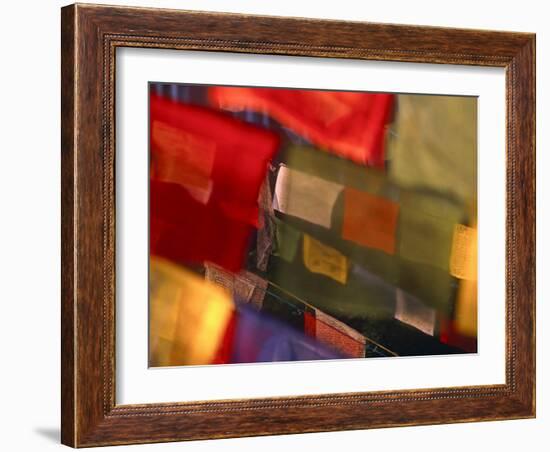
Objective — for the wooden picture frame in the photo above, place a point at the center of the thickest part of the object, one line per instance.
(90, 36)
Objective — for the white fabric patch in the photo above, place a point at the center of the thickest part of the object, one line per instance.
(413, 312)
(305, 196)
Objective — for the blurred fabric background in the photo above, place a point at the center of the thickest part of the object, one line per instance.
(292, 224)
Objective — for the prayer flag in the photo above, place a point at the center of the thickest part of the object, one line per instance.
(206, 173)
(319, 258)
(305, 196)
(188, 316)
(369, 220)
(350, 124)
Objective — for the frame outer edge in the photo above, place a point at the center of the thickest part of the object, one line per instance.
(525, 200)
(534, 226)
(68, 243)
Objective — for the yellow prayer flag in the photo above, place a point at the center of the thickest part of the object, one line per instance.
(188, 316)
(463, 265)
(319, 258)
(466, 308)
(463, 260)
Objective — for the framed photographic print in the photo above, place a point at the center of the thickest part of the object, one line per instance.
(282, 225)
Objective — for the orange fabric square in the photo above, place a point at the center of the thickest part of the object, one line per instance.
(369, 220)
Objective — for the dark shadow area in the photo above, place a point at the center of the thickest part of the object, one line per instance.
(50, 433)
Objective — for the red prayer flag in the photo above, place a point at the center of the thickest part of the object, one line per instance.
(206, 173)
(349, 124)
(309, 323)
(187, 231)
(448, 334)
(339, 336)
(225, 349)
